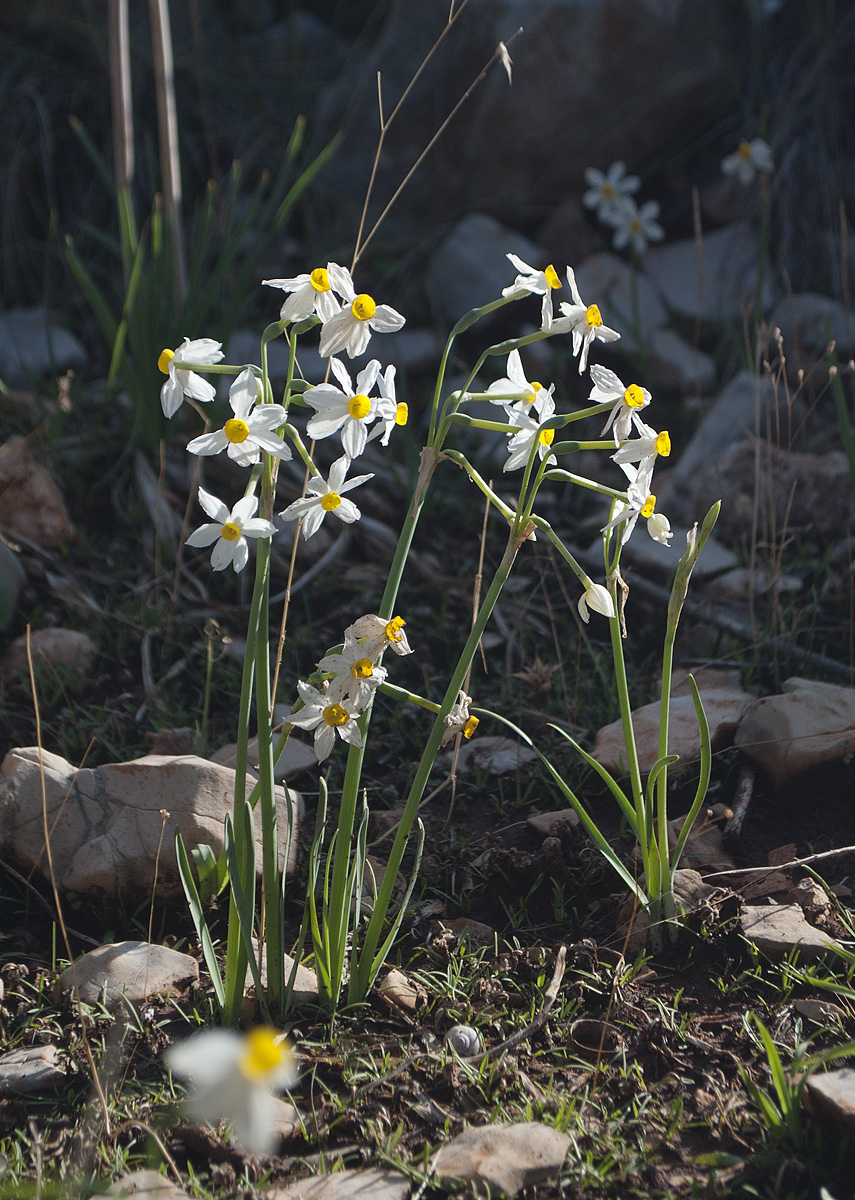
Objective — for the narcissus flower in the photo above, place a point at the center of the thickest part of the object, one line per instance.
(390, 410)
(182, 382)
(606, 191)
(627, 401)
(640, 503)
(749, 159)
(343, 409)
(636, 226)
(520, 444)
(459, 720)
(309, 294)
(540, 283)
(229, 530)
(351, 328)
(515, 381)
(249, 431)
(644, 449)
(327, 716)
(234, 1076)
(585, 323)
(355, 676)
(327, 495)
(597, 597)
(376, 634)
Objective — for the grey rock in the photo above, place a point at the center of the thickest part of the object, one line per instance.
(56, 647)
(32, 345)
(778, 929)
(672, 362)
(374, 1183)
(809, 725)
(552, 824)
(741, 582)
(729, 273)
(296, 756)
(305, 983)
(136, 971)
(494, 754)
(12, 578)
(107, 827)
(723, 707)
(146, 1185)
(505, 1158)
(652, 557)
(832, 1095)
(32, 1069)
(469, 267)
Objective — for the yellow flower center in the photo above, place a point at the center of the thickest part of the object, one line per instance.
(402, 414)
(166, 357)
(330, 502)
(649, 505)
(230, 532)
(547, 437)
(363, 307)
(552, 277)
(236, 430)
(663, 444)
(535, 388)
(362, 668)
(592, 315)
(335, 715)
(634, 396)
(359, 407)
(264, 1052)
(393, 629)
(320, 279)
(607, 189)
(470, 727)
(744, 151)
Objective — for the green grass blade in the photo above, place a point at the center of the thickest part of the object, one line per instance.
(198, 916)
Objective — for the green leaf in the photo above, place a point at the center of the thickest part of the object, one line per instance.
(195, 906)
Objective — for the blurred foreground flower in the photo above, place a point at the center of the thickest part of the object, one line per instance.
(233, 1076)
(229, 530)
(183, 383)
(748, 160)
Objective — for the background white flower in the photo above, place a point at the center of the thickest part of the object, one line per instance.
(748, 159)
(229, 530)
(607, 190)
(182, 382)
(249, 431)
(637, 226)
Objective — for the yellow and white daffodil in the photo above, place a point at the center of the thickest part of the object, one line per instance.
(327, 716)
(597, 597)
(515, 382)
(636, 226)
(343, 408)
(627, 402)
(607, 190)
(309, 294)
(350, 329)
(749, 159)
(376, 634)
(229, 530)
(355, 676)
(234, 1076)
(528, 423)
(584, 321)
(250, 430)
(538, 282)
(326, 495)
(644, 449)
(640, 503)
(183, 382)
(390, 410)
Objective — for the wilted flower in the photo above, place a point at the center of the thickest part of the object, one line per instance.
(377, 634)
(459, 720)
(636, 226)
(585, 323)
(540, 283)
(327, 716)
(628, 401)
(182, 382)
(607, 191)
(748, 159)
(234, 1076)
(309, 294)
(597, 597)
(344, 409)
(326, 496)
(351, 328)
(249, 431)
(229, 530)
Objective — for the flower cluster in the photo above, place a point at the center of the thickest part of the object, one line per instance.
(611, 195)
(351, 676)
